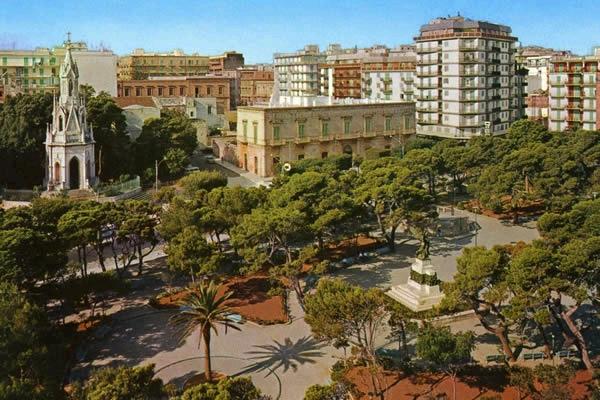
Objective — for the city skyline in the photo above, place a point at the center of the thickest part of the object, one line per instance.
(261, 29)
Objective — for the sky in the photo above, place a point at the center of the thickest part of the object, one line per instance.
(260, 28)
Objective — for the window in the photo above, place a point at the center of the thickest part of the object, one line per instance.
(4, 60)
(324, 154)
(182, 91)
(127, 92)
(138, 91)
(388, 123)
(347, 123)
(171, 91)
(245, 128)
(149, 91)
(300, 156)
(255, 131)
(210, 110)
(208, 90)
(324, 128)
(160, 91)
(276, 132)
(220, 89)
(25, 60)
(301, 130)
(368, 123)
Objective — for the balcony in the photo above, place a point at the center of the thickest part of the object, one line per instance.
(350, 135)
(496, 85)
(428, 61)
(575, 82)
(427, 85)
(426, 121)
(429, 49)
(302, 140)
(574, 106)
(574, 94)
(495, 61)
(427, 98)
(427, 109)
(369, 134)
(427, 73)
(495, 48)
(469, 60)
(468, 47)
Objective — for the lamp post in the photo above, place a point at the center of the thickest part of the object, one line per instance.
(156, 165)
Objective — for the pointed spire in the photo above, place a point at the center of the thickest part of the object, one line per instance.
(68, 64)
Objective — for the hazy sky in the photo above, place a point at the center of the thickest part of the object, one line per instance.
(260, 28)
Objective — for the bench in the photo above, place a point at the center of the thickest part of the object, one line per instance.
(528, 356)
(495, 358)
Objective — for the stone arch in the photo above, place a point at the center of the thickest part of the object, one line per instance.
(56, 173)
(74, 173)
(347, 149)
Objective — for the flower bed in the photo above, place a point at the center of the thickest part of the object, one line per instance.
(250, 299)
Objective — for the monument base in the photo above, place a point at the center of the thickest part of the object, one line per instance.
(418, 296)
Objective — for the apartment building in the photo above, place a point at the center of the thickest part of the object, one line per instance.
(390, 76)
(268, 136)
(37, 71)
(574, 96)
(297, 73)
(228, 61)
(256, 85)
(141, 65)
(340, 74)
(466, 79)
(219, 87)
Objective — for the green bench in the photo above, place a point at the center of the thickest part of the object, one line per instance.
(495, 358)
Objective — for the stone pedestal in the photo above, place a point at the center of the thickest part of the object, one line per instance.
(418, 296)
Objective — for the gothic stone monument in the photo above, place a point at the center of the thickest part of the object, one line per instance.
(422, 291)
(69, 138)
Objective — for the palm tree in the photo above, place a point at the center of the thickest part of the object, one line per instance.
(203, 308)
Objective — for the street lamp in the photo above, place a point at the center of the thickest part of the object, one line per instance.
(156, 164)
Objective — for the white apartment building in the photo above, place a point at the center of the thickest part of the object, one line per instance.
(537, 73)
(297, 74)
(574, 95)
(466, 80)
(390, 77)
(33, 71)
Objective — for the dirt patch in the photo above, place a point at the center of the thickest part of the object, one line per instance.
(199, 379)
(345, 248)
(89, 324)
(250, 299)
(471, 386)
(530, 208)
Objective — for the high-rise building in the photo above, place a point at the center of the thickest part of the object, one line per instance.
(37, 71)
(390, 76)
(574, 96)
(466, 79)
(142, 65)
(297, 74)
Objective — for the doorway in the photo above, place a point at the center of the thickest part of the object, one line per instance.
(74, 173)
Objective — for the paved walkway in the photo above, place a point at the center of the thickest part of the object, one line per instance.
(283, 360)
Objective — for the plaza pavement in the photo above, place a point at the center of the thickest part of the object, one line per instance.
(283, 360)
